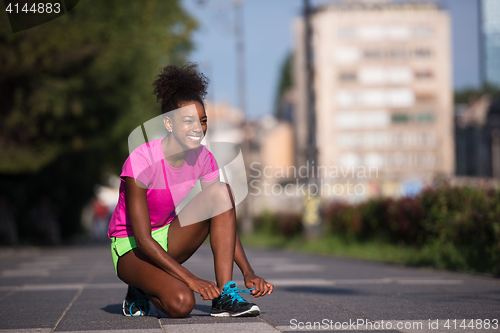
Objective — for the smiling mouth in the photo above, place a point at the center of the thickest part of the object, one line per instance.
(194, 138)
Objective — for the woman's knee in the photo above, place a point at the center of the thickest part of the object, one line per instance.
(221, 192)
(180, 305)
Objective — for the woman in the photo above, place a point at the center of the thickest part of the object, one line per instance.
(150, 242)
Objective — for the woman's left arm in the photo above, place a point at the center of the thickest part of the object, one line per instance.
(261, 286)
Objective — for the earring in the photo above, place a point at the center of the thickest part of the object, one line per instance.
(170, 131)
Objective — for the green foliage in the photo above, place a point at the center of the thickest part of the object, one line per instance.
(444, 227)
(469, 95)
(83, 81)
(72, 91)
(285, 84)
(285, 224)
(454, 227)
(469, 219)
(385, 219)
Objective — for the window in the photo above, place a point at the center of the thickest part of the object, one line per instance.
(397, 54)
(402, 159)
(346, 33)
(407, 139)
(373, 54)
(373, 140)
(402, 139)
(349, 159)
(399, 118)
(399, 32)
(398, 140)
(347, 77)
(423, 31)
(369, 140)
(422, 53)
(424, 74)
(380, 75)
(425, 97)
(422, 159)
(425, 139)
(400, 75)
(382, 139)
(347, 55)
(401, 97)
(372, 119)
(377, 32)
(426, 159)
(346, 98)
(374, 159)
(425, 117)
(349, 140)
(372, 75)
(348, 120)
(373, 97)
(388, 159)
(374, 32)
(368, 119)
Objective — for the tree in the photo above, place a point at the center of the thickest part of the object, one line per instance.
(285, 84)
(469, 95)
(72, 91)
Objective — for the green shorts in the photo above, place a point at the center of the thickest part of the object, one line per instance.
(121, 246)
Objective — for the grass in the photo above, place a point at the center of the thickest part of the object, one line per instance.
(440, 256)
(333, 245)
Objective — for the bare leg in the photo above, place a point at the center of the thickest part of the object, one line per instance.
(136, 269)
(167, 293)
(184, 241)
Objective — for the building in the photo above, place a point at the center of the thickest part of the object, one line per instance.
(271, 167)
(478, 138)
(490, 29)
(383, 90)
(225, 122)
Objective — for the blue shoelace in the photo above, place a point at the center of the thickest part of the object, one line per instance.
(234, 293)
(140, 303)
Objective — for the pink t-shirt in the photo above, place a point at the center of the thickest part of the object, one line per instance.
(166, 186)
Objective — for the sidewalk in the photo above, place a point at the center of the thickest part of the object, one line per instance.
(75, 289)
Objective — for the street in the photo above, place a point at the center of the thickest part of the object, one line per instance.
(75, 289)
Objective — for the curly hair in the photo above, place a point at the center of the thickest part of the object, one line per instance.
(175, 85)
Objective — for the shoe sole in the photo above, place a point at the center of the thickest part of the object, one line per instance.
(128, 314)
(125, 313)
(252, 312)
(123, 309)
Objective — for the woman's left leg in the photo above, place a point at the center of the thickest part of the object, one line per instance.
(186, 234)
(191, 227)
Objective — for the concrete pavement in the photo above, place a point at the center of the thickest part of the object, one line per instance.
(75, 289)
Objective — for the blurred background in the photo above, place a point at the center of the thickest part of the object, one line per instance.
(371, 122)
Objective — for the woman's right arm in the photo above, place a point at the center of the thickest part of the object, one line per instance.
(137, 209)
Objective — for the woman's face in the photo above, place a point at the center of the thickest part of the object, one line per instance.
(188, 125)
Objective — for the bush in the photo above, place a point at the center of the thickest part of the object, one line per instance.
(284, 224)
(451, 227)
(454, 227)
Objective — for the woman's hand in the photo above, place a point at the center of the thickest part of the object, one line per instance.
(261, 286)
(207, 290)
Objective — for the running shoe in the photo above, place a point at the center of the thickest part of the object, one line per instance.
(231, 304)
(136, 303)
